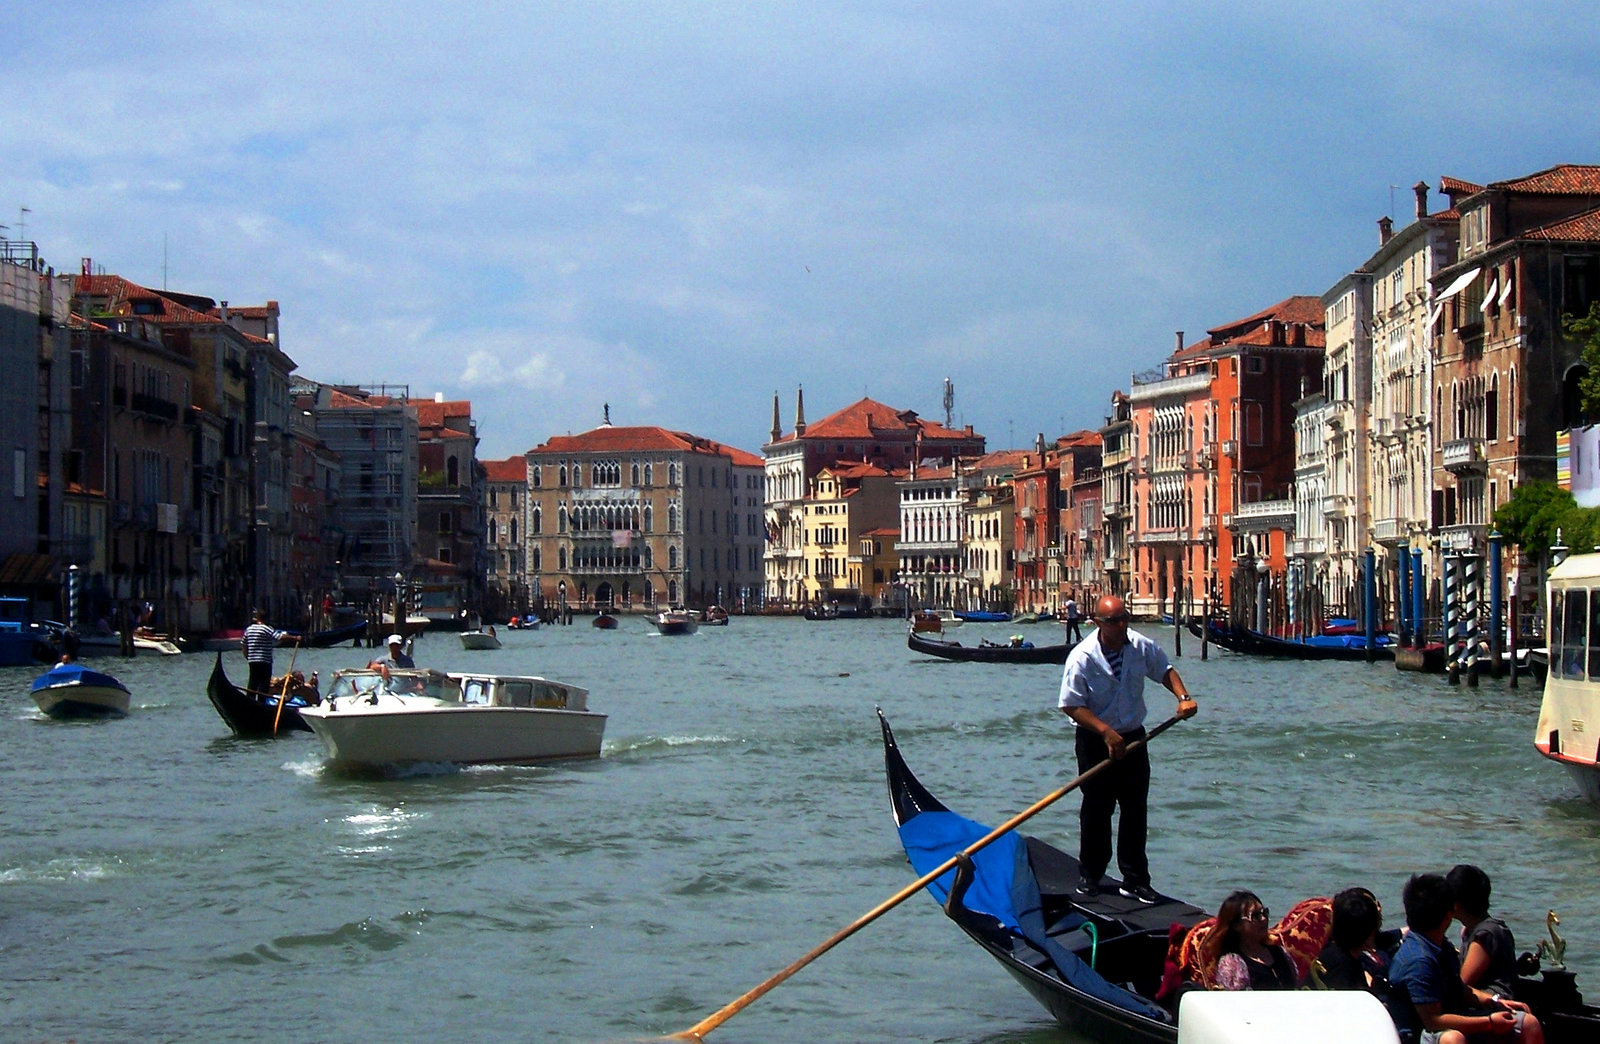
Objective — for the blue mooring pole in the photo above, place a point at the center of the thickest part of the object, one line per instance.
(1402, 595)
(1419, 599)
(1496, 587)
(1370, 564)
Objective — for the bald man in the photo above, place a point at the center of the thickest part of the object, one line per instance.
(1102, 691)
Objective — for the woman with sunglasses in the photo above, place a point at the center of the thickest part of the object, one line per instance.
(1241, 953)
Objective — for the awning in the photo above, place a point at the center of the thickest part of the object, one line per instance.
(1488, 297)
(1505, 293)
(1459, 285)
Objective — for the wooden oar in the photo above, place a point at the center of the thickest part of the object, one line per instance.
(283, 697)
(699, 1030)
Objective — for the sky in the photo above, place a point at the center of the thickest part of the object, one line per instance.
(681, 209)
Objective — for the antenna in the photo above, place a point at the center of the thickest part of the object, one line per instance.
(22, 224)
(949, 400)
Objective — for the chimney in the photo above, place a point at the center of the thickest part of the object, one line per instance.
(437, 396)
(222, 308)
(777, 429)
(1298, 335)
(799, 412)
(1180, 343)
(1421, 189)
(1385, 230)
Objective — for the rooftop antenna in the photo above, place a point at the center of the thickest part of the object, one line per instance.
(22, 224)
(949, 400)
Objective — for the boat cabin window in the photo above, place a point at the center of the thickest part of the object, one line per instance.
(475, 691)
(1594, 637)
(518, 693)
(1574, 621)
(551, 697)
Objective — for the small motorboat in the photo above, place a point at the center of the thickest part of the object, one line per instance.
(715, 616)
(374, 718)
(677, 621)
(604, 621)
(484, 639)
(523, 623)
(932, 621)
(71, 690)
(983, 616)
(254, 713)
(145, 640)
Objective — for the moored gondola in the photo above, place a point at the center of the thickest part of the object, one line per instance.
(1317, 647)
(1025, 653)
(349, 632)
(252, 714)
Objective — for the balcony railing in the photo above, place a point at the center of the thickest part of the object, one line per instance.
(1463, 455)
(1109, 563)
(1389, 530)
(1334, 504)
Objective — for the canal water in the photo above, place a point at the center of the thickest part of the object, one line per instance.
(162, 881)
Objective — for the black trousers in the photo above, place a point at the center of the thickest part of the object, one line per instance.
(1074, 635)
(260, 676)
(1124, 787)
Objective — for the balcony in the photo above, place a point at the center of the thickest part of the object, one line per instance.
(1109, 563)
(1024, 557)
(1230, 448)
(1112, 458)
(1464, 455)
(1115, 510)
(1389, 530)
(1305, 547)
(973, 575)
(1165, 536)
(1335, 504)
(1169, 387)
(1263, 515)
(1462, 538)
(1025, 513)
(1208, 457)
(154, 406)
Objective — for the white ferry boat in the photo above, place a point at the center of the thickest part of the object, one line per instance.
(1569, 717)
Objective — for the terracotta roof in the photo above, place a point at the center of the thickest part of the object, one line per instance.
(1079, 438)
(1566, 179)
(125, 298)
(1001, 459)
(1199, 347)
(868, 418)
(1580, 228)
(431, 414)
(853, 469)
(1456, 187)
(1299, 309)
(512, 469)
(1260, 337)
(644, 439)
(880, 532)
(341, 400)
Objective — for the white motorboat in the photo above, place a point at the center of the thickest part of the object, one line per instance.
(1571, 687)
(677, 621)
(70, 690)
(480, 639)
(373, 718)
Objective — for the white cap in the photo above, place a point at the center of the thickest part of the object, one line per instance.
(395, 639)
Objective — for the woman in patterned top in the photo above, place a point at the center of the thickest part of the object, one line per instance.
(1240, 952)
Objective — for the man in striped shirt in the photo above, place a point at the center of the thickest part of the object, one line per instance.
(259, 641)
(1102, 691)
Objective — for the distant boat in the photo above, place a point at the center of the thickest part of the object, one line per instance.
(1025, 652)
(982, 616)
(929, 621)
(1316, 647)
(71, 690)
(716, 616)
(677, 621)
(604, 621)
(480, 640)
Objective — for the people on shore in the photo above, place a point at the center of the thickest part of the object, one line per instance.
(1428, 1000)
(259, 641)
(1102, 691)
(1240, 952)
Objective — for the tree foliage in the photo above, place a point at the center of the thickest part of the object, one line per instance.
(1537, 511)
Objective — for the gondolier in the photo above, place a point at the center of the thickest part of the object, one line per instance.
(1102, 691)
(259, 640)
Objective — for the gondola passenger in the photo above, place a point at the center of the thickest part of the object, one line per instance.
(1241, 953)
(1488, 951)
(1353, 958)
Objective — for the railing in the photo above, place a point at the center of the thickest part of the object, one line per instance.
(1386, 530)
(1109, 563)
(155, 406)
(1463, 455)
(1334, 503)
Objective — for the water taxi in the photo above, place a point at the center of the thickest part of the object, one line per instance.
(1572, 683)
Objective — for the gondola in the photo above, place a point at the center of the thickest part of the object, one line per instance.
(336, 635)
(1022, 909)
(1095, 962)
(250, 714)
(1316, 647)
(987, 653)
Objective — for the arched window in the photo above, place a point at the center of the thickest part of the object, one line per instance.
(649, 472)
(649, 557)
(563, 475)
(672, 591)
(635, 473)
(538, 476)
(561, 559)
(537, 558)
(561, 520)
(494, 532)
(672, 518)
(1491, 409)
(672, 558)
(649, 519)
(451, 472)
(538, 519)
(513, 530)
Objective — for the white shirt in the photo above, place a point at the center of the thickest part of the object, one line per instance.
(1088, 682)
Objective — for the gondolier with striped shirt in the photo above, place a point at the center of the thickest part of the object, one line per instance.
(1102, 691)
(260, 639)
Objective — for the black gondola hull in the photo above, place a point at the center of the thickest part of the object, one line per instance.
(1254, 643)
(337, 635)
(1056, 654)
(249, 714)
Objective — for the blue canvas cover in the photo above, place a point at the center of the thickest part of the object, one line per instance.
(1005, 888)
(75, 674)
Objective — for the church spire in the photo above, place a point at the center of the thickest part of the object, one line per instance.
(777, 428)
(799, 412)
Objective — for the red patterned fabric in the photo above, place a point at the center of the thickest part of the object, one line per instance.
(1190, 962)
(1304, 931)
